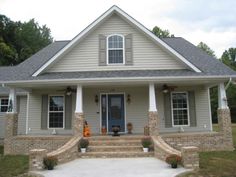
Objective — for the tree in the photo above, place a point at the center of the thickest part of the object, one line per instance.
(229, 58)
(18, 41)
(161, 33)
(206, 48)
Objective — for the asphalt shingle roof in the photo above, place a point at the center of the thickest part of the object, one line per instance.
(207, 64)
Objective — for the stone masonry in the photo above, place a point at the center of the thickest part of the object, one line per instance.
(78, 124)
(11, 123)
(36, 157)
(190, 157)
(153, 123)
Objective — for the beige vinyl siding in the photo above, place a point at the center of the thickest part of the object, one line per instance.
(22, 115)
(2, 125)
(202, 110)
(35, 106)
(146, 54)
(136, 111)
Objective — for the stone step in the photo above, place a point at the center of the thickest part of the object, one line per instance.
(114, 148)
(109, 137)
(123, 154)
(120, 142)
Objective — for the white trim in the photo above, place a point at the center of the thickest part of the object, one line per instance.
(209, 105)
(107, 49)
(152, 98)
(182, 109)
(79, 99)
(112, 93)
(96, 22)
(119, 79)
(56, 111)
(27, 115)
(4, 97)
(222, 98)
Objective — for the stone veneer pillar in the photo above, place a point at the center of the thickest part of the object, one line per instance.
(78, 124)
(36, 157)
(11, 123)
(190, 157)
(224, 121)
(153, 122)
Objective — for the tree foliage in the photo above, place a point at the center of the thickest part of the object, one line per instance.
(206, 48)
(161, 33)
(18, 40)
(229, 58)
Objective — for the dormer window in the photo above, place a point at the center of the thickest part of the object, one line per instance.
(115, 49)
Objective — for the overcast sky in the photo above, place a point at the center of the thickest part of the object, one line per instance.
(210, 21)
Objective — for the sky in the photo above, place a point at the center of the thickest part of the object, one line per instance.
(210, 21)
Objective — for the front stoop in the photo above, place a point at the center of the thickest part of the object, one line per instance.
(115, 147)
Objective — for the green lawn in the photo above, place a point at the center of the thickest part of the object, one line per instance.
(217, 164)
(12, 165)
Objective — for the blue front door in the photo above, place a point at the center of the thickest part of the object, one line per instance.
(113, 111)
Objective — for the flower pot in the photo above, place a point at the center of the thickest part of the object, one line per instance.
(145, 149)
(83, 150)
(50, 167)
(174, 165)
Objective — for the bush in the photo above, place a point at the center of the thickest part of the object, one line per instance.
(173, 159)
(146, 142)
(50, 162)
(83, 143)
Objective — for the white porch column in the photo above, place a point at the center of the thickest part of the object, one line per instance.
(152, 98)
(79, 100)
(222, 99)
(12, 103)
(153, 120)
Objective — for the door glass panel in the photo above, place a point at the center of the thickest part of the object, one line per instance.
(115, 108)
(104, 110)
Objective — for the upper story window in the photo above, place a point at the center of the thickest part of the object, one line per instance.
(56, 112)
(180, 108)
(115, 49)
(3, 104)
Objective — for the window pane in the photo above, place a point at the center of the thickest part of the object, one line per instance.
(180, 108)
(4, 108)
(56, 120)
(115, 42)
(56, 103)
(4, 101)
(115, 56)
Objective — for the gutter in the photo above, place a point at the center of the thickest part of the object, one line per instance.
(229, 82)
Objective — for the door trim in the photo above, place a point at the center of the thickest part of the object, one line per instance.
(112, 93)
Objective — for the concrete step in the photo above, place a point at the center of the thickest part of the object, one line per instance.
(118, 142)
(123, 154)
(114, 148)
(110, 137)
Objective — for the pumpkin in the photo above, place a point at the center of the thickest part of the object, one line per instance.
(87, 131)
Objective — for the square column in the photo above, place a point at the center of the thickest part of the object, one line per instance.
(153, 119)
(79, 115)
(12, 103)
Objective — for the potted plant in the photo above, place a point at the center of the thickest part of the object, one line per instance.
(146, 143)
(116, 130)
(173, 160)
(129, 127)
(83, 144)
(50, 162)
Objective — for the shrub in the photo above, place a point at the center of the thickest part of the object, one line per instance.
(83, 143)
(50, 162)
(146, 142)
(173, 159)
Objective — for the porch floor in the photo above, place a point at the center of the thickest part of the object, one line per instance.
(128, 167)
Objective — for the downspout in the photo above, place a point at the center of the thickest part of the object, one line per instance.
(229, 82)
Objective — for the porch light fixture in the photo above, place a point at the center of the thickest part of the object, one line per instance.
(128, 99)
(165, 88)
(68, 91)
(96, 99)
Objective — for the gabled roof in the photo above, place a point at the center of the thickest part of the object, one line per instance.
(210, 67)
(108, 13)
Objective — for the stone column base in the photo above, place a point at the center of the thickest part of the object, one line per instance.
(153, 123)
(78, 124)
(190, 157)
(36, 157)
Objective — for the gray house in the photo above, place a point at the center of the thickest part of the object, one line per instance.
(113, 72)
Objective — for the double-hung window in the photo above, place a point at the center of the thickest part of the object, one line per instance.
(115, 49)
(3, 104)
(56, 112)
(180, 108)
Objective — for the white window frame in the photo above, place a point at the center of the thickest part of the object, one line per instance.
(123, 38)
(3, 105)
(172, 109)
(56, 111)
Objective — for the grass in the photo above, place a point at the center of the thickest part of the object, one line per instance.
(217, 164)
(13, 165)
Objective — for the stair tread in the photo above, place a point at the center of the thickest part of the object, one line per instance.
(120, 152)
(112, 146)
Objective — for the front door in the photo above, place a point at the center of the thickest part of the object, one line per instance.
(113, 111)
